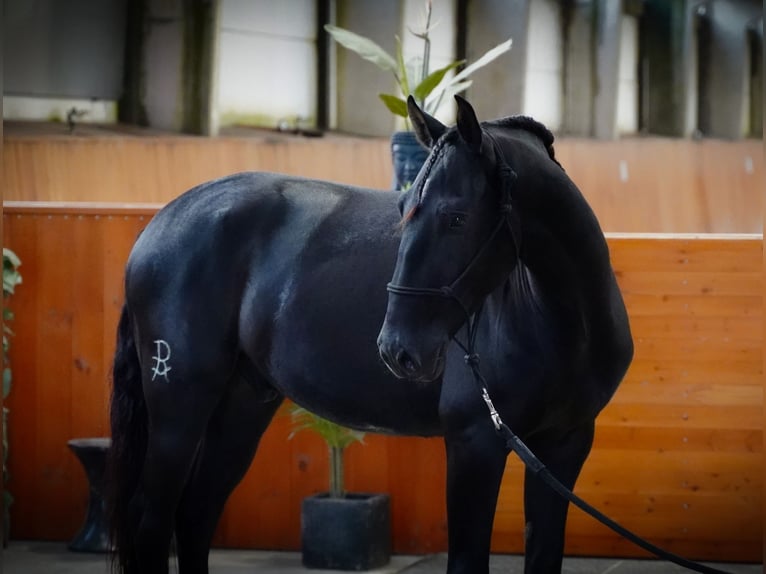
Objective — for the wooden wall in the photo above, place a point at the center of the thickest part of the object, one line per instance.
(678, 453)
(634, 185)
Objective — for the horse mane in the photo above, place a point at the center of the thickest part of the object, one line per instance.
(532, 126)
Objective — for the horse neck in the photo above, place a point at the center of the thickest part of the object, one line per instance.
(559, 237)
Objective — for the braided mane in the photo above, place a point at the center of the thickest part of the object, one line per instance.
(532, 126)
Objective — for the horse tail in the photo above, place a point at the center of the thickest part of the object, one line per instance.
(129, 426)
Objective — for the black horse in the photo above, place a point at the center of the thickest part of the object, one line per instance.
(256, 287)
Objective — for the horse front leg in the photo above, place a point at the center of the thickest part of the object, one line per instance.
(475, 465)
(545, 511)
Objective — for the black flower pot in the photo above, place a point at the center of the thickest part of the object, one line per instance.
(408, 157)
(350, 533)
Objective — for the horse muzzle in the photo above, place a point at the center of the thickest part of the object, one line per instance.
(406, 362)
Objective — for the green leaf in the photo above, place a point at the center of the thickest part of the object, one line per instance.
(10, 280)
(335, 435)
(362, 46)
(11, 258)
(424, 88)
(488, 57)
(396, 105)
(11, 276)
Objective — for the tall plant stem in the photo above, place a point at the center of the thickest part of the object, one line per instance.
(337, 486)
(426, 44)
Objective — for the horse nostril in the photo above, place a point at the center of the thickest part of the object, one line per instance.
(406, 362)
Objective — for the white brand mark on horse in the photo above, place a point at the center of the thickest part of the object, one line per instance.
(163, 356)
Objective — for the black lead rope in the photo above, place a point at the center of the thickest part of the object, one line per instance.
(515, 444)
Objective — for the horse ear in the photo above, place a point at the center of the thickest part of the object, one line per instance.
(467, 124)
(427, 128)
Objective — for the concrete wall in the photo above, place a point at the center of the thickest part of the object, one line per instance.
(696, 54)
(608, 44)
(543, 88)
(728, 68)
(358, 108)
(443, 42)
(579, 70)
(627, 74)
(177, 73)
(498, 90)
(162, 64)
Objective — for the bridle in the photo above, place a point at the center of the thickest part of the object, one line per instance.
(456, 290)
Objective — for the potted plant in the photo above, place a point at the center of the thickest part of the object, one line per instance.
(11, 278)
(341, 530)
(429, 87)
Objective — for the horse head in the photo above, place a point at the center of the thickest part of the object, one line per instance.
(457, 242)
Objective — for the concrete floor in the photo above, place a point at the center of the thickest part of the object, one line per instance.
(54, 558)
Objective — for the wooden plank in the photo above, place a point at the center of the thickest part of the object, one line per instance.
(721, 396)
(749, 328)
(80, 208)
(700, 370)
(726, 473)
(157, 170)
(675, 439)
(686, 255)
(88, 373)
(55, 510)
(671, 185)
(684, 416)
(693, 305)
(690, 283)
(734, 351)
(419, 510)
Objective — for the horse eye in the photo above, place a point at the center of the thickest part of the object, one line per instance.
(456, 220)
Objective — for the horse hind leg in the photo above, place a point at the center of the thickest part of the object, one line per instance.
(181, 397)
(229, 446)
(546, 511)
